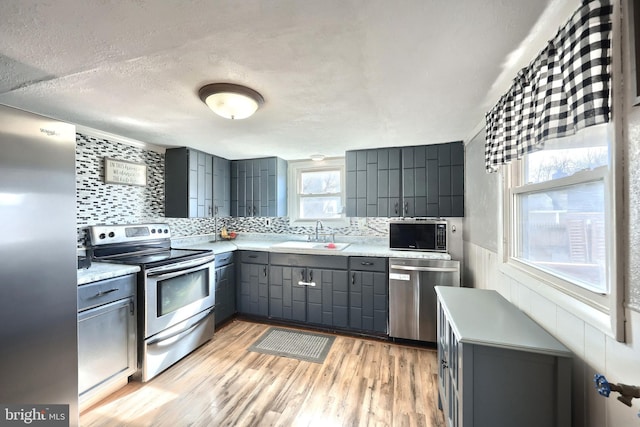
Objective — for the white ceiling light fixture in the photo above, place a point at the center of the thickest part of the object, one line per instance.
(317, 157)
(231, 101)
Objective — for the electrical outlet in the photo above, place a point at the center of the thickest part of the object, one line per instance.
(267, 222)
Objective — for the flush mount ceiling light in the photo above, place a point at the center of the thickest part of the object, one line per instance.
(231, 101)
(317, 157)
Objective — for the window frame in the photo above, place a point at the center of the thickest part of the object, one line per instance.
(604, 311)
(296, 168)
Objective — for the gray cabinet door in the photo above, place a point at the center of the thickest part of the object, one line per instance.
(327, 300)
(368, 301)
(221, 186)
(188, 183)
(259, 187)
(287, 299)
(225, 285)
(106, 344)
(253, 292)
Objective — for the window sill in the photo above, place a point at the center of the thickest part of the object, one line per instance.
(589, 313)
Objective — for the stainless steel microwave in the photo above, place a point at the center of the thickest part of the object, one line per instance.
(418, 235)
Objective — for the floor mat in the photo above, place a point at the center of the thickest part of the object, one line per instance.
(301, 345)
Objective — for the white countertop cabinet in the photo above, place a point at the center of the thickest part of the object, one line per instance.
(497, 367)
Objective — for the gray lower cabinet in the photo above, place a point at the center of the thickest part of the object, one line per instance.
(309, 288)
(225, 283)
(106, 337)
(253, 284)
(368, 294)
(497, 367)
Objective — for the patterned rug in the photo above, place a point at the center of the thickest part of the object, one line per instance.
(307, 346)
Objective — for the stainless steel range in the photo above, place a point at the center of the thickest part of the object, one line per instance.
(176, 291)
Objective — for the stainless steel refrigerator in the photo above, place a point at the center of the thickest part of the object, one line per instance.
(38, 290)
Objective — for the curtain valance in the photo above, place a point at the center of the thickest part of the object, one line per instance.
(564, 89)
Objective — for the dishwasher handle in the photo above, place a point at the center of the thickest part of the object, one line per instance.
(415, 268)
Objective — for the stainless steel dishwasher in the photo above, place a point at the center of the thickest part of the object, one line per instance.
(412, 298)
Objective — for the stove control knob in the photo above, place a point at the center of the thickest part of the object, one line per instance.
(153, 231)
(112, 234)
(166, 231)
(102, 235)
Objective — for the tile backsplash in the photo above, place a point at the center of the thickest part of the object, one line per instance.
(101, 203)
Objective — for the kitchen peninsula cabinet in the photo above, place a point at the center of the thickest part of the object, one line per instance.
(368, 294)
(191, 180)
(253, 284)
(414, 181)
(309, 288)
(225, 283)
(259, 187)
(497, 367)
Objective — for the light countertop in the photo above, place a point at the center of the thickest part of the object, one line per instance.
(103, 270)
(497, 324)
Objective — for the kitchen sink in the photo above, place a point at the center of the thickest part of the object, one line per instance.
(314, 246)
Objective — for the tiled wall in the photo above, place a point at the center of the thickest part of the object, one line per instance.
(100, 203)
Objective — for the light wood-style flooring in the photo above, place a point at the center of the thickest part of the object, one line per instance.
(363, 382)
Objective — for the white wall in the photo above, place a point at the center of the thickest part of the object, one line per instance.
(594, 350)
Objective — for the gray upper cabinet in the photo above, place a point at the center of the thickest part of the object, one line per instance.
(259, 187)
(192, 183)
(221, 186)
(424, 180)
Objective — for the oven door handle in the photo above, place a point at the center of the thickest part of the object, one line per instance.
(180, 268)
(179, 334)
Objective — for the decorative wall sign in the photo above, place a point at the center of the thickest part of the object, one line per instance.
(123, 172)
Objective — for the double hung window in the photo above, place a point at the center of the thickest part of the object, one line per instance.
(559, 210)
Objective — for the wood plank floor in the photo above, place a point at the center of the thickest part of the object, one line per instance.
(362, 382)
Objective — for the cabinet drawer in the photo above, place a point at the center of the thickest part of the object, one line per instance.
(254, 257)
(223, 259)
(363, 263)
(104, 291)
(312, 261)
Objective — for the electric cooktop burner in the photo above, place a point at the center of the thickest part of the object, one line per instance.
(147, 245)
(158, 258)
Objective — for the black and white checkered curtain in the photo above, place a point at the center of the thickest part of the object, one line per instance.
(566, 88)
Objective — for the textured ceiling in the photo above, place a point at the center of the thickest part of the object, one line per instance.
(335, 74)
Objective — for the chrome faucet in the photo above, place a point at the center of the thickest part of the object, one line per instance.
(318, 226)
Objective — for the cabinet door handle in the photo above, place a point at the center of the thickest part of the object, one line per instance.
(366, 263)
(302, 278)
(396, 208)
(445, 365)
(406, 207)
(102, 293)
(248, 210)
(132, 307)
(264, 270)
(353, 278)
(311, 275)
